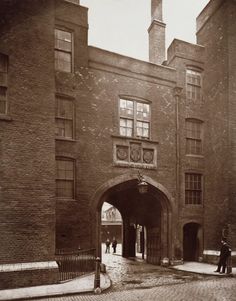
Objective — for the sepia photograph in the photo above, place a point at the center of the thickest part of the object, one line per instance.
(118, 150)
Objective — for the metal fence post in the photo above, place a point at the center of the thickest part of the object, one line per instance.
(97, 273)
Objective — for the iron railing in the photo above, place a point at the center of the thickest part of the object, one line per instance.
(74, 263)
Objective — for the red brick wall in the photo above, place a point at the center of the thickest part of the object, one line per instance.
(96, 92)
(219, 78)
(27, 226)
(10, 280)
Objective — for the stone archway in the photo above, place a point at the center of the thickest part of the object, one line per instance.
(121, 192)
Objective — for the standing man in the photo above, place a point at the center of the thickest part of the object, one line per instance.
(224, 254)
(108, 245)
(114, 244)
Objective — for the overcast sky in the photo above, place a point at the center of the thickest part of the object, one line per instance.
(121, 25)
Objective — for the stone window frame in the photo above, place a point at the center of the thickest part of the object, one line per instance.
(58, 117)
(133, 118)
(3, 84)
(194, 137)
(193, 184)
(193, 83)
(64, 180)
(61, 50)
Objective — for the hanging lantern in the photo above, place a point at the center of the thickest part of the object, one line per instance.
(142, 185)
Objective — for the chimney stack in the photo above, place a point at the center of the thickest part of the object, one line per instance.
(157, 34)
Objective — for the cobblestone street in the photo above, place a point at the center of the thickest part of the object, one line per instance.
(135, 280)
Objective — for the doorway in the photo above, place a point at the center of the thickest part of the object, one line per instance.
(191, 242)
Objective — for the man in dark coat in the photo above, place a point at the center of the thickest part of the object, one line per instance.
(224, 254)
(108, 245)
(114, 244)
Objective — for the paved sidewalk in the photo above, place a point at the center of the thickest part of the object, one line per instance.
(202, 268)
(85, 283)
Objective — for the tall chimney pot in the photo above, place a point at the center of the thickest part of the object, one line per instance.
(156, 32)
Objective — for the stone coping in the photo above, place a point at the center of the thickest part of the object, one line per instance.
(216, 253)
(16, 267)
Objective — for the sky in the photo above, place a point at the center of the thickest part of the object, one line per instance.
(121, 25)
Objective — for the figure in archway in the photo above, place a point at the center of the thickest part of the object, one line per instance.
(108, 245)
(114, 244)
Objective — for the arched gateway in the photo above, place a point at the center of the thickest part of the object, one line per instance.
(152, 210)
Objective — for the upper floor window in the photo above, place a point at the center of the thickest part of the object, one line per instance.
(3, 83)
(193, 188)
(193, 136)
(134, 119)
(3, 100)
(65, 178)
(194, 82)
(63, 50)
(64, 118)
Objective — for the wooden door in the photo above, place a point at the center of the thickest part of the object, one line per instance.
(153, 245)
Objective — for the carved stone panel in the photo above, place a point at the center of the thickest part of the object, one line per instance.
(122, 152)
(148, 156)
(135, 152)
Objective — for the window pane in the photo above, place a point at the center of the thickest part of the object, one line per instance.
(3, 63)
(142, 129)
(193, 189)
(60, 128)
(3, 106)
(145, 133)
(139, 132)
(193, 137)
(123, 131)
(126, 108)
(63, 35)
(3, 100)
(62, 61)
(65, 108)
(140, 117)
(122, 122)
(143, 111)
(130, 104)
(126, 127)
(64, 189)
(65, 178)
(68, 129)
(63, 45)
(193, 80)
(63, 50)
(64, 128)
(129, 132)
(64, 118)
(122, 103)
(129, 123)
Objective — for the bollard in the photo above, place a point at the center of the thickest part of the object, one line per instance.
(229, 265)
(97, 274)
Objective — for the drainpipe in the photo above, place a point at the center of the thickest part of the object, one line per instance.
(177, 95)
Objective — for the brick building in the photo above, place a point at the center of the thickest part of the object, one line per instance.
(111, 224)
(78, 125)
